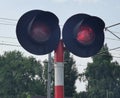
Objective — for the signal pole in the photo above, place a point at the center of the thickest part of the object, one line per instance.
(59, 71)
(49, 76)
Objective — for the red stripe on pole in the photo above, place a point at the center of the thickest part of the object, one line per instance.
(59, 92)
(59, 71)
(59, 52)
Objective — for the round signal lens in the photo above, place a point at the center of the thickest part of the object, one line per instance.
(85, 35)
(39, 32)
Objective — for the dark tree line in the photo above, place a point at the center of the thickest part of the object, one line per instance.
(22, 77)
(103, 77)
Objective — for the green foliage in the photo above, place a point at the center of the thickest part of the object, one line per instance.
(20, 76)
(81, 95)
(70, 74)
(103, 76)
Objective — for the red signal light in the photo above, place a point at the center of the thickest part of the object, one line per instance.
(85, 35)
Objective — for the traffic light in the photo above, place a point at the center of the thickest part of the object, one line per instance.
(83, 35)
(38, 32)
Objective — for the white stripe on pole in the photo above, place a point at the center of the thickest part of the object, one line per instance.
(59, 74)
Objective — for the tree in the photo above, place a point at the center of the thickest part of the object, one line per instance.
(70, 74)
(81, 95)
(20, 76)
(103, 76)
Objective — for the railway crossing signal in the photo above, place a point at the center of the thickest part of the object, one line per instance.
(39, 33)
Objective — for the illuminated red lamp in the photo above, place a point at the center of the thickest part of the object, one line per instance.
(85, 35)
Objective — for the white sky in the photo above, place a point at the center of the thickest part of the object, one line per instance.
(108, 10)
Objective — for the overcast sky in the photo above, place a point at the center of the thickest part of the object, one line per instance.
(108, 10)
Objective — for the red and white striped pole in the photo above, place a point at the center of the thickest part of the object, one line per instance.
(59, 71)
